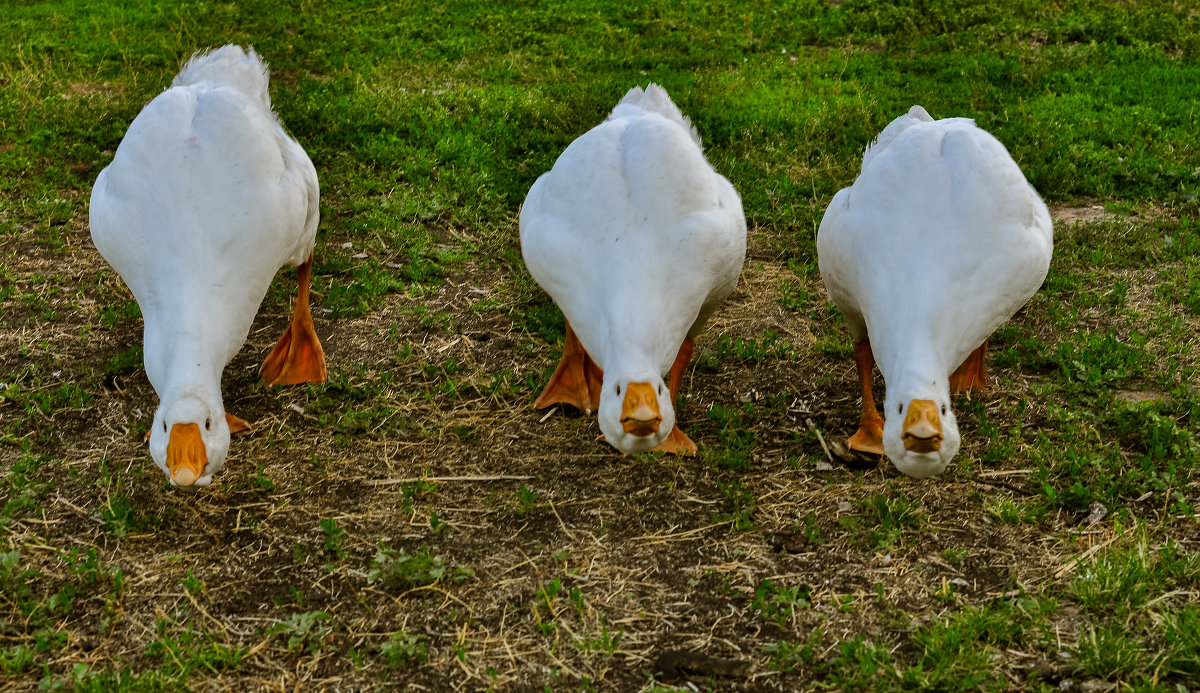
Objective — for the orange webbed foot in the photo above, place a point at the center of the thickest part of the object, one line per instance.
(868, 438)
(236, 423)
(972, 373)
(677, 443)
(576, 381)
(297, 357)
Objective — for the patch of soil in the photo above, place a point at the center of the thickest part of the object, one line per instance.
(576, 563)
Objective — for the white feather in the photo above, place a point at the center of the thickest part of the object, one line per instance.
(205, 199)
(935, 245)
(638, 240)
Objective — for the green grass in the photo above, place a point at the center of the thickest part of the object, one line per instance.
(1091, 99)
(402, 649)
(397, 569)
(428, 122)
(777, 603)
(308, 631)
(885, 519)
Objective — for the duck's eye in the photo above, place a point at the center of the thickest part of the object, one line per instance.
(164, 425)
(943, 410)
(618, 389)
(208, 424)
(900, 408)
(660, 388)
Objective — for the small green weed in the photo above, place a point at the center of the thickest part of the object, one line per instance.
(527, 501)
(741, 505)
(1124, 579)
(785, 656)
(15, 581)
(778, 603)
(193, 584)
(546, 321)
(396, 569)
(307, 631)
(122, 516)
(792, 296)
(860, 666)
(1009, 512)
(887, 517)
(17, 659)
(606, 642)
(111, 316)
(771, 346)
(956, 557)
(402, 649)
(362, 293)
(128, 360)
(334, 536)
(24, 485)
(1091, 361)
(1110, 654)
(1182, 635)
(182, 647)
(411, 491)
(738, 439)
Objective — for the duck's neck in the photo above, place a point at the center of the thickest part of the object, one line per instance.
(913, 371)
(632, 349)
(180, 365)
(630, 362)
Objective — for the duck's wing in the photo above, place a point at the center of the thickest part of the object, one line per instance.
(633, 233)
(301, 175)
(948, 238)
(844, 256)
(232, 67)
(855, 220)
(197, 212)
(915, 117)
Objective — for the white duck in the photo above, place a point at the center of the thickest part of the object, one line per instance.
(938, 242)
(638, 240)
(205, 199)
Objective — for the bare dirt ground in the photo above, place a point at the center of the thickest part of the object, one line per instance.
(666, 587)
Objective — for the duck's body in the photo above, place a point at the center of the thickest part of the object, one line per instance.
(638, 240)
(205, 199)
(937, 243)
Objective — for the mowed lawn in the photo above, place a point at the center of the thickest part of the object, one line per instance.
(415, 524)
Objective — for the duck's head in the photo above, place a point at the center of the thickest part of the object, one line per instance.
(189, 440)
(920, 433)
(635, 413)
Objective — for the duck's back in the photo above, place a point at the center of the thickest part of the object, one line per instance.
(633, 214)
(205, 199)
(940, 233)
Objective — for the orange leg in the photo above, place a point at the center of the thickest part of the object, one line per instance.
(576, 381)
(297, 357)
(972, 373)
(869, 437)
(678, 443)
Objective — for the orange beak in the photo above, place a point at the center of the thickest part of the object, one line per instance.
(186, 456)
(639, 412)
(922, 427)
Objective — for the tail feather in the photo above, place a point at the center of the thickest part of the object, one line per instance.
(655, 100)
(229, 66)
(915, 116)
